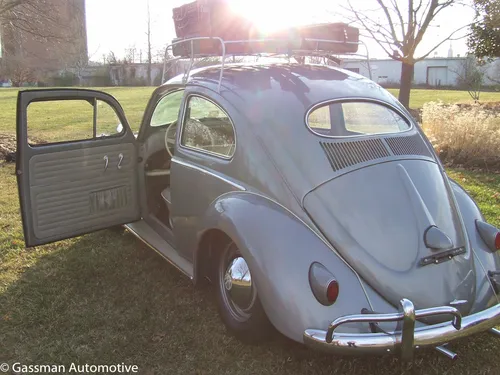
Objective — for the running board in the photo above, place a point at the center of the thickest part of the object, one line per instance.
(142, 230)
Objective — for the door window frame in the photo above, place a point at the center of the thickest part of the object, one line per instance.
(146, 129)
(198, 150)
(171, 92)
(95, 115)
(31, 96)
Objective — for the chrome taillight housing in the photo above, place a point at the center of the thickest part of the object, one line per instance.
(324, 285)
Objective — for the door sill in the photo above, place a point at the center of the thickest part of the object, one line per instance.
(150, 237)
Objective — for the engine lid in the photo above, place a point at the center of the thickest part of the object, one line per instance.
(396, 224)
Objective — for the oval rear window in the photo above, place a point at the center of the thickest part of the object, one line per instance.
(355, 118)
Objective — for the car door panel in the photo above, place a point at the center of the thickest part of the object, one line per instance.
(199, 175)
(71, 188)
(191, 201)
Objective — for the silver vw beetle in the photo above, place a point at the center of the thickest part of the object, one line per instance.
(306, 193)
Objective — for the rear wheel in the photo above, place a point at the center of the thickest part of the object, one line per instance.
(238, 303)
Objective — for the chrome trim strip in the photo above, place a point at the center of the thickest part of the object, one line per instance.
(157, 251)
(358, 99)
(382, 343)
(200, 169)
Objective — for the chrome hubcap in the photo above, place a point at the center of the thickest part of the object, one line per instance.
(238, 283)
(237, 288)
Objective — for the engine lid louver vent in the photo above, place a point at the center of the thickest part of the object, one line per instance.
(411, 145)
(345, 154)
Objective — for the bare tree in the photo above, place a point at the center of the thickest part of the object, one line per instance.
(30, 28)
(18, 71)
(31, 17)
(130, 54)
(111, 58)
(399, 27)
(148, 34)
(470, 76)
(159, 55)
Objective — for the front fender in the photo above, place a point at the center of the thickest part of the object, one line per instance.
(279, 249)
(485, 260)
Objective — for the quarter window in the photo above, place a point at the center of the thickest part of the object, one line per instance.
(167, 109)
(208, 128)
(355, 118)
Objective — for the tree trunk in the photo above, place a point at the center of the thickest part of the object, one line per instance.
(149, 48)
(405, 86)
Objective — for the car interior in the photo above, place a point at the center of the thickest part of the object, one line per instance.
(207, 129)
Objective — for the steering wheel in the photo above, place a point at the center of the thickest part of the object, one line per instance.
(198, 134)
(170, 136)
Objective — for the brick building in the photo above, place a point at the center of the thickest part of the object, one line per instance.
(44, 37)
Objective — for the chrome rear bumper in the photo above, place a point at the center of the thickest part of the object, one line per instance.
(406, 338)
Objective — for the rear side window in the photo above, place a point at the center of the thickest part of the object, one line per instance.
(208, 128)
(343, 119)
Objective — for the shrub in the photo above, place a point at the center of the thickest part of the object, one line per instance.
(467, 135)
(66, 79)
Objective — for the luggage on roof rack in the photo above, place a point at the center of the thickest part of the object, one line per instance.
(215, 18)
(333, 38)
(210, 18)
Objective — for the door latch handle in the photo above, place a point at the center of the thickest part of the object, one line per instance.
(120, 159)
(106, 162)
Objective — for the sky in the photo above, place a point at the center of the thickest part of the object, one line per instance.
(118, 25)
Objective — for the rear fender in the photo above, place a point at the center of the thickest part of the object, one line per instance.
(279, 249)
(485, 260)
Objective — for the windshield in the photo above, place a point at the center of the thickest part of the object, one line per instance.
(343, 119)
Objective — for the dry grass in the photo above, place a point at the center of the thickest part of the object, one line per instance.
(464, 135)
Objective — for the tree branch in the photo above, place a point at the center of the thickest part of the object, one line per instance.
(423, 28)
(449, 37)
(369, 29)
(391, 24)
(400, 16)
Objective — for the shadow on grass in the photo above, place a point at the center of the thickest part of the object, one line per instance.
(105, 298)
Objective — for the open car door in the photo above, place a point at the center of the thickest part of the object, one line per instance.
(76, 167)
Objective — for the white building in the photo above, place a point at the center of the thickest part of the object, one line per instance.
(438, 71)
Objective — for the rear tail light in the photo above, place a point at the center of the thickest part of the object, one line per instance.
(332, 291)
(489, 234)
(323, 284)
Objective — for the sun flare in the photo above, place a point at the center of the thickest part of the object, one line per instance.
(270, 15)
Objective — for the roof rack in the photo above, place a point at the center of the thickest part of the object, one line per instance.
(291, 53)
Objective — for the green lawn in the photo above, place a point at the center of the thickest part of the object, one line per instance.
(134, 102)
(105, 298)
(421, 96)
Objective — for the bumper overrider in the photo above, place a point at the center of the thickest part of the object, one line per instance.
(406, 338)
